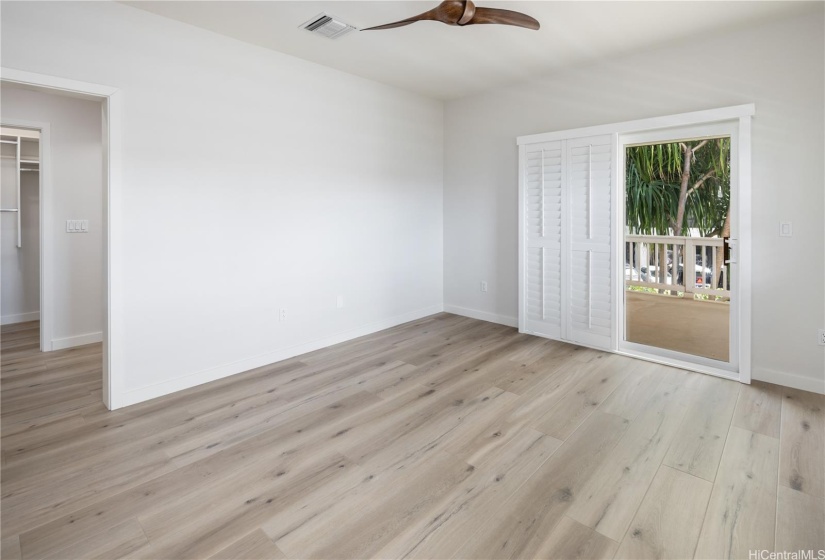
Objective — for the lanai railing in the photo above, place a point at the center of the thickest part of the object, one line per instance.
(672, 264)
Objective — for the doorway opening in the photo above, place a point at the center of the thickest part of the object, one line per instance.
(58, 260)
(20, 223)
(680, 219)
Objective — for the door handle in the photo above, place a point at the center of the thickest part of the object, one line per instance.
(733, 245)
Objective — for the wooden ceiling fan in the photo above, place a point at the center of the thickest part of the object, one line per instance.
(464, 12)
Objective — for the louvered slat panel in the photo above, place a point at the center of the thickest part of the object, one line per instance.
(590, 299)
(544, 220)
(544, 305)
(589, 176)
(589, 182)
(544, 192)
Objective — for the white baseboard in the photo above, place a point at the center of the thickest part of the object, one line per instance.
(792, 380)
(19, 318)
(482, 315)
(79, 340)
(142, 394)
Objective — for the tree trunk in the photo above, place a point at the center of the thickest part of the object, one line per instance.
(683, 189)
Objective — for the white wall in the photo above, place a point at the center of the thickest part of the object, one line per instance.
(253, 181)
(20, 267)
(77, 193)
(778, 66)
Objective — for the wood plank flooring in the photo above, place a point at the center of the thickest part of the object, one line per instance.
(445, 437)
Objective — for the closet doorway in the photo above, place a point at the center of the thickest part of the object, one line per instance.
(20, 158)
(681, 221)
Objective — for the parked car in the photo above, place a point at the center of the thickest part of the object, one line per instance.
(702, 276)
(645, 274)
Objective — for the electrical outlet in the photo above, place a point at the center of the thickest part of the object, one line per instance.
(483, 286)
(282, 314)
(821, 337)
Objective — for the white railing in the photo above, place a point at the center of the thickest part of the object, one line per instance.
(659, 262)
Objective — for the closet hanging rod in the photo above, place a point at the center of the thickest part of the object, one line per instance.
(35, 170)
(9, 210)
(8, 141)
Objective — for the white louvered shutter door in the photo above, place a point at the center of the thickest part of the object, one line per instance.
(543, 208)
(589, 173)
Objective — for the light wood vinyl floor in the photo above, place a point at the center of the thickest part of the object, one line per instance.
(445, 438)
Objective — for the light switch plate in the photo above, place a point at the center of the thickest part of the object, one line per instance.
(785, 229)
(77, 226)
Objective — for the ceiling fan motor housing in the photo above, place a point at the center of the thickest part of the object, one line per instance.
(469, 12)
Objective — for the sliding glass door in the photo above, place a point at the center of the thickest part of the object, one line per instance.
(680, 221)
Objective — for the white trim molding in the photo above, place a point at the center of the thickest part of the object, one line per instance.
(20, 318)
(13, 75)
(745, 247)
(482, 315)
(77, 340)
(793, 380)
(134, 396)
(654, 123)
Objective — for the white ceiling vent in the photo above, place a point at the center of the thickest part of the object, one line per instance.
(327, 26)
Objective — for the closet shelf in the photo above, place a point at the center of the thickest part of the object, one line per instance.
(31, 166)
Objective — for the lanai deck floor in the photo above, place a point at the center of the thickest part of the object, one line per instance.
(699, 328)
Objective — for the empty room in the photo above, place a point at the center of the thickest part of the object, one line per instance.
(408, 279)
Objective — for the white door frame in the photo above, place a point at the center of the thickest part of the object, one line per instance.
(112, 126)
(741, 116)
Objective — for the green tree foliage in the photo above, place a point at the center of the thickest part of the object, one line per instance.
(687, 179)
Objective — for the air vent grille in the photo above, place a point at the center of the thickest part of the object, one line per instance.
(327, 26)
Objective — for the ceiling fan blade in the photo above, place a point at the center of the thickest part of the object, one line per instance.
(449, 12)
(428, 15)
(504, 17)
(401, 23)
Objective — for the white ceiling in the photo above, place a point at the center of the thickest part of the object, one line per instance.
(449, 62)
